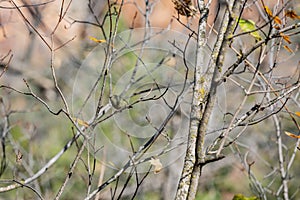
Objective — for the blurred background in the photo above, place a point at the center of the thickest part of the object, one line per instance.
(26, 36)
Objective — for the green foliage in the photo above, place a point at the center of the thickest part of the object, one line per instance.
(211, 195)
(242, 197)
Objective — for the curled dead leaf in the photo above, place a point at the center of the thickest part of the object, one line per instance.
(185, 7)
(292, 135)
(19, 157)
(292, 14)
(277, 20)
(288, 48)
(277, 27)
(157, 165)
(286, 38)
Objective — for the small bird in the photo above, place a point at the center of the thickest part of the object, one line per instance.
(118, 102)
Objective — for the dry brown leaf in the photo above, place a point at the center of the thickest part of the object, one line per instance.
(277, 27)
(288, 48)
(19, 157)
(157, 165)
(185, 7)
(292, 135)
(277, 20)
(292, 14)
(286, 38)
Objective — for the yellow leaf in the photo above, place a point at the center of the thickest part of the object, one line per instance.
(97, 40)
(80, 122)
(288, 48)
(242, 197)
(249, 25)
(268, 11)
(292, 14)
(277, 20)
(298, 114)
(292, 135)
(157, 165)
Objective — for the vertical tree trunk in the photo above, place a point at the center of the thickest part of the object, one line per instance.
(204, 94)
